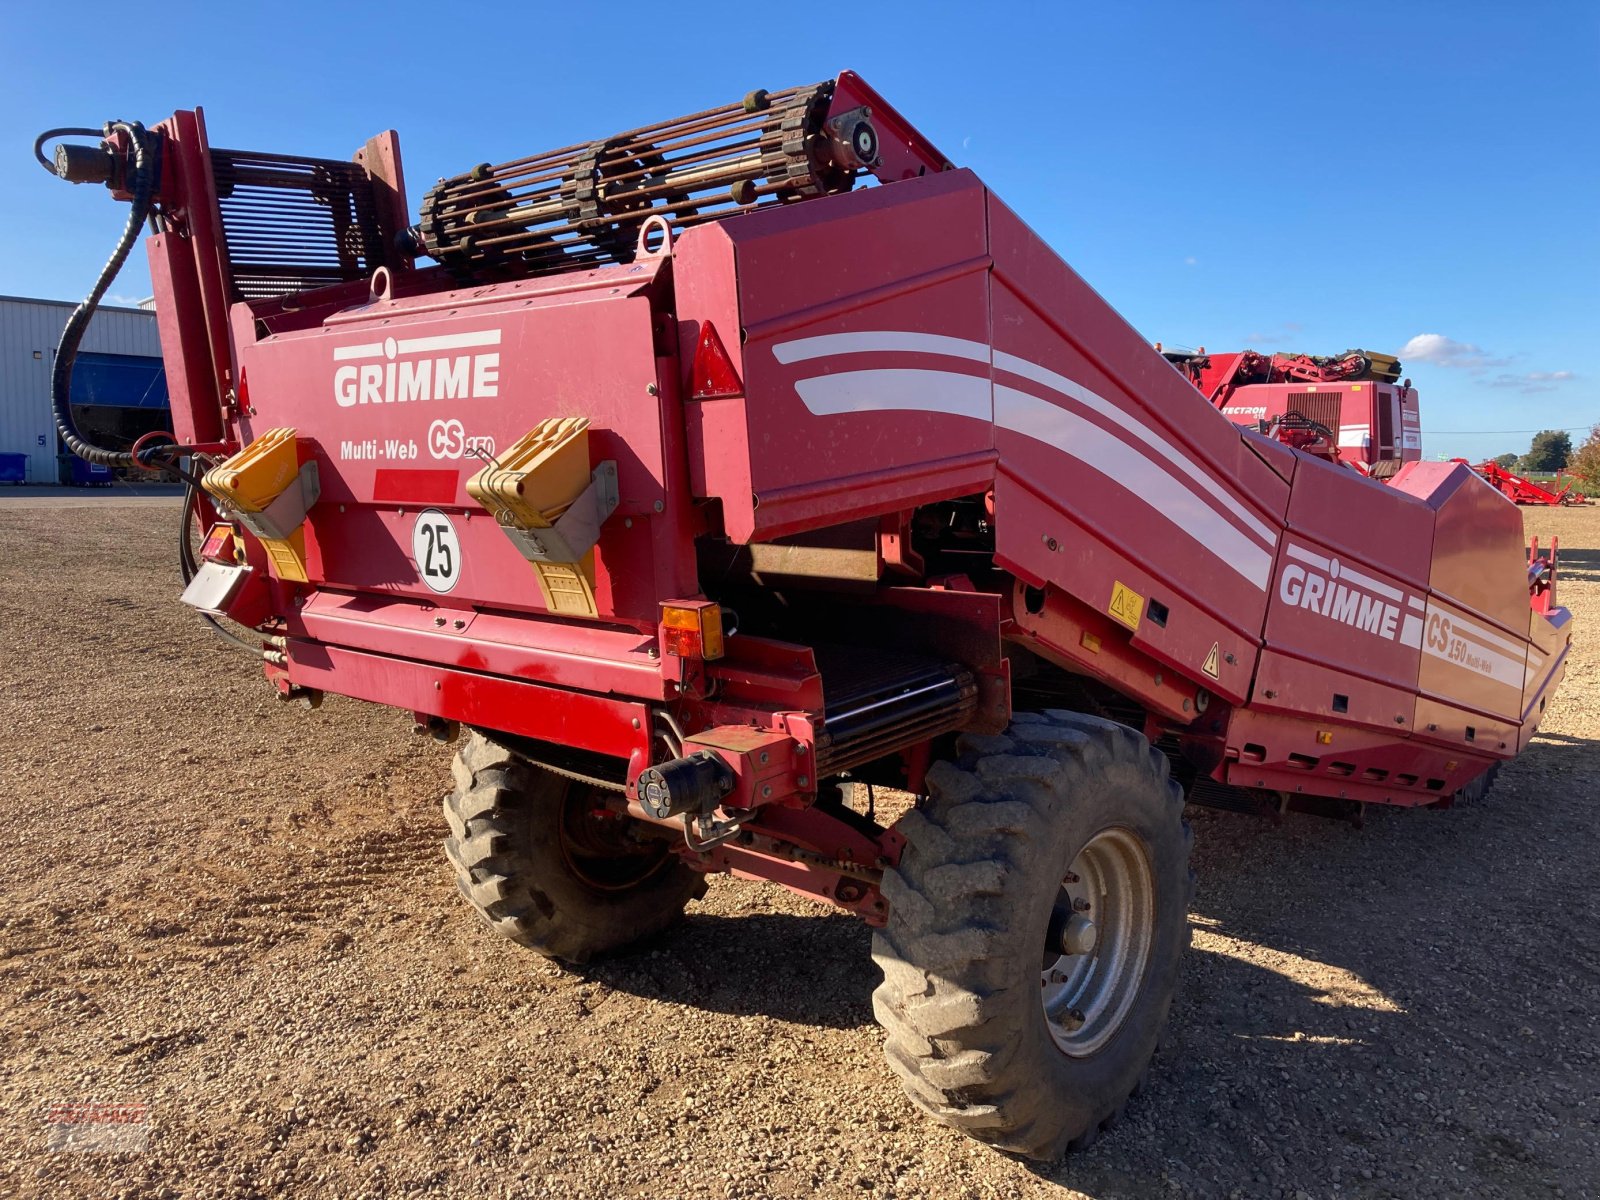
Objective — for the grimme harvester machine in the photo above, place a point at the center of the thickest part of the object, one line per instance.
(697, 483)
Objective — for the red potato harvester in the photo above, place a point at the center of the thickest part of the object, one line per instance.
(693, 482)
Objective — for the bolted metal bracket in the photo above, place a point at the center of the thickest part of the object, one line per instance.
(576, 531)
(279, 520)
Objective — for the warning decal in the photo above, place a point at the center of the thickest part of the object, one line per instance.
(1126, 605)
(1211, 665)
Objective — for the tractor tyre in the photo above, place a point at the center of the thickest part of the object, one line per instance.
(1038, 916)
(550, 867)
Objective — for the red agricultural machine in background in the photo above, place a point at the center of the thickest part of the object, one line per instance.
(1351, 407)
(1519, 490)
(699, 485)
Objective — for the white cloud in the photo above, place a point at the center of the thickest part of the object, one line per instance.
(1444, 351)
(1532, 381)
(1190, 261)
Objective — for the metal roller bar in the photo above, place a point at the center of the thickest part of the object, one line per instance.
(583, 205)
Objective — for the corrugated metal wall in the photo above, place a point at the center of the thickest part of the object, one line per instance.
(32, 327)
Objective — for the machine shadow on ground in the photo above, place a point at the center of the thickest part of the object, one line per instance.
(1577, 566)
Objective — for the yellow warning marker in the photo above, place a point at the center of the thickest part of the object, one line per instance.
(529, 488)
(251, 482)
(534, 481)
(258, 474)
(1126, 605)
(1213, 663)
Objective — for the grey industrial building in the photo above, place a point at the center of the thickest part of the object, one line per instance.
(119, 388)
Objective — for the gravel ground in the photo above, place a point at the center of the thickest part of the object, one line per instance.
(237, 911)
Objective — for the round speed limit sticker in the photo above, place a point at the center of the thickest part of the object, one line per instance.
(436, 550)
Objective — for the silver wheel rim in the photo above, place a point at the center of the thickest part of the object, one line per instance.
(1086, 995)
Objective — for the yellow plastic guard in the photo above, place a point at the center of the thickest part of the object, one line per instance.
(251, 480)
(534, 481)
(532, 484)
(258, 474)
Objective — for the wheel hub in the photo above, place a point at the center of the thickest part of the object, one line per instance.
(1098, 942)
(596, 845)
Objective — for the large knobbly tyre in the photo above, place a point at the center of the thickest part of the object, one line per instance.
(549, 868)
(1020, 844)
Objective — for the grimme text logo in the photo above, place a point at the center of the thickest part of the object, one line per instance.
(401, 370)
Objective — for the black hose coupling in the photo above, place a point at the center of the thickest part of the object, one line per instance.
(693, 784)
(85, 164)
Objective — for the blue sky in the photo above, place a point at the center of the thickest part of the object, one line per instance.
(1274, 175)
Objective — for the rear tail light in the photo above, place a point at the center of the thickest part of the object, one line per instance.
(691, 629)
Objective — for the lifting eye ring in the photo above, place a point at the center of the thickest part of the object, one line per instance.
(655, 237)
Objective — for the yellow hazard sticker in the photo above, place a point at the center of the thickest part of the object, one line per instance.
(1212, 665)
(1126, 604)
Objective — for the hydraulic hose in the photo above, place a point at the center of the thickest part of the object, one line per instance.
(51, 134)
(141, 184)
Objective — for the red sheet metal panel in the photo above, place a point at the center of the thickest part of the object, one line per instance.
(1281, 753)
(1479, 558)
(865, 357)
(1549, 640)
(401, 398)
(1364, 521)
(619, 728)
(1135, 477)
(571, 655)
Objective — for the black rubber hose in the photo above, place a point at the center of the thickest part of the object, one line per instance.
(142, 186)
(52, 134)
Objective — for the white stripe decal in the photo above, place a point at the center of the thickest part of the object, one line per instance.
(870, 341)
(907, 341)
(1371, 584)
(1411, 632)
(366, 350)
(448, 341)
(1099, 404)
(1101, 451)
(1461, 647)
(1484, 637)
(1487, 663)
(871, 391)
(1305, 556)
(897, 389)
(1415, 603)
(443, 341)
